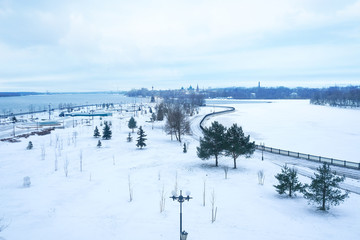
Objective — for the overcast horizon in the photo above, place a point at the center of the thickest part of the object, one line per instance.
(82, 46)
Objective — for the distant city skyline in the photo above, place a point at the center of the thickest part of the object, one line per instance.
(80, 46)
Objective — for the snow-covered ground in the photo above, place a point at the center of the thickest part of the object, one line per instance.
(299, 126)
(94, 203)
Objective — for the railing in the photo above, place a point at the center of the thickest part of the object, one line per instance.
(332, 161)
(229, 109)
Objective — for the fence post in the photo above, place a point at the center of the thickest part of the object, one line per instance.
(288, 153)
(320, 159)
(344, 163)
(332, 161)
(298, 155)
(308, 156)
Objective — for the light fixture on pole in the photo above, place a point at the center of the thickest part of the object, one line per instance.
(181, 199)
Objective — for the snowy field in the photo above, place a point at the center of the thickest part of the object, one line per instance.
(299, 126)
(94, 203)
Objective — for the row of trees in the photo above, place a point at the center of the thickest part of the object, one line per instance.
(218, 140)
(338, 97)
(323, 190)
(107, 133)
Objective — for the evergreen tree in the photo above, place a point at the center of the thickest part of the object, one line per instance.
(324, 188)
(288, 181)
(153, 117)
(160, 112)
(106, 132)
(96, 132)
(30, 145)
(129, 138)
(184, 148)
(132, 124)
(99, 144)
(213, 142)
(141, 138)
(237, 144)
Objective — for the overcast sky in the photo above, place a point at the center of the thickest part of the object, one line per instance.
(88, 45)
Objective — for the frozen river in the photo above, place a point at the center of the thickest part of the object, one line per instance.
(298, 126)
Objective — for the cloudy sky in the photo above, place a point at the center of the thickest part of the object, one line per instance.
(87, 45)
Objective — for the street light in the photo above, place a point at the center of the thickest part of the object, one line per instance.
(181, 199)
(262, 151)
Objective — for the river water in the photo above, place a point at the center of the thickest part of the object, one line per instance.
(41, 102)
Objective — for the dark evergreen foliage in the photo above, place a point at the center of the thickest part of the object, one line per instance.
(96, 132)
(237, 144)
(141, 138)
(288, 181)
(106, 132)
(184, 148)
(14, 119)
(132, 124)
(30, 145)
(213, 143)
(99, 144)
(160, 112)
(153, 117)
(324, 188)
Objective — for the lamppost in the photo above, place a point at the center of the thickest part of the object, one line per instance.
(181, 199)
(262, 151)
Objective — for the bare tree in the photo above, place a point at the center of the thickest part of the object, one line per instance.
(177, 122)
(213, 208)
(162, 199)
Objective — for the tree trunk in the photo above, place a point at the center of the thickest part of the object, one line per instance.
(216, 160)
(290, 191)
(234, 163)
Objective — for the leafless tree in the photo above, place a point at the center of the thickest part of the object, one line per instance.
(177, 122)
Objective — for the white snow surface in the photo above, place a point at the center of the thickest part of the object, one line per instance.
(297, 125)
(94, 204)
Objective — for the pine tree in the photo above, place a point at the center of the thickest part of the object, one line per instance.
(160, 112)
(99, 144)
(324, 188)
(96, 132)
(237, 144)
(30, 145)
(213, 142)
(132, 124)
(288, 181)
(184, 148)
(129, 138)
(141, 138)
(106, 132)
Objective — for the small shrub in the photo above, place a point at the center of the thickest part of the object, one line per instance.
(26, 182)
(29, 146)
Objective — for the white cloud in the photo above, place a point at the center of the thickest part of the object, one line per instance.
(174, 40)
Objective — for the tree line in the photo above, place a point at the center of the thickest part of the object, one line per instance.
(338, 96)
(334, 96)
